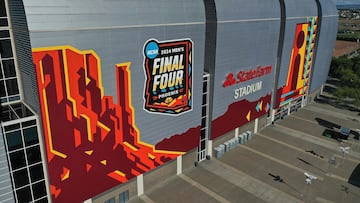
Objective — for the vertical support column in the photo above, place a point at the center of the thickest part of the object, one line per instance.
(236, 132)
(289, 108)
(178, 165)
(272, 114)
(322, 89)
(256, 125)
(209, 148)
(303, 101)
(140, 184)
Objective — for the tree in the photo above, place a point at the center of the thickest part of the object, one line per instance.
(348, 72)
(338, 65)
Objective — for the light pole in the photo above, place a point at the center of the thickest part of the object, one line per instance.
(332, 162)
(344, 151)
(308, 179)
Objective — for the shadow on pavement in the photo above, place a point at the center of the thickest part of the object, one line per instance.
(354, 178)
(310, 164)
(333, 81)
(333, 134)
(327, 124)
(323, 99)
(277, 178)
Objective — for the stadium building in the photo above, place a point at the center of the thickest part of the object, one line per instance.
(103, 99)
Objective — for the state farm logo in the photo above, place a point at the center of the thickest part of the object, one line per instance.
(245, 75)
(168, 70)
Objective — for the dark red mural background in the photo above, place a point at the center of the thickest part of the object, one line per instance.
(238, 114)
(92, 141)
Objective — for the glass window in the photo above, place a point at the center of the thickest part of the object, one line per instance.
(3, 100)
(4, 33)
(203, 111)
(24, 195)
(17, 159)
(112, 200)
(21, 178)
(6, 113)
(12, 87)
(204, 99)
(203, 122)
(43, 200)
(39, 190)
(29, 123)
(2, 88)
(21, 110)
(124, 197)
(204, 87)
(202, 134)
(33, 154)
(14, 140)
(202, 143)
(36, 172)
(9, 68)
(12, 127)
(30, 136)
(3, 22)
(1, 70)
(2, 8)
(5, 48)
(14, 98)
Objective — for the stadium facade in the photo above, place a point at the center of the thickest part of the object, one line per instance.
(107, 98)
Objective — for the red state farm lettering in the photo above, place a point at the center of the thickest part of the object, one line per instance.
(168, 71)
(243, 76)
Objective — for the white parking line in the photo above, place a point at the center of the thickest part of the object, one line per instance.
(302, 151)
(252, 185)
(316, 140)
(280, 161)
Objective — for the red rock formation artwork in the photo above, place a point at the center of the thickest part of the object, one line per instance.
(92, 142)
(244, 111)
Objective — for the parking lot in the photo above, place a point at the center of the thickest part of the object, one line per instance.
(271, 166)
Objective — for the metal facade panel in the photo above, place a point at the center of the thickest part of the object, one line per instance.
(22, 49)
(296, 12)
(114, 46)
(247, 41)
(120, 44)
(6, 193)
(64, 15)
(303, 8)
(328, 7)
(326, 44)
(243, 49)
(246, 9)
(296, 59)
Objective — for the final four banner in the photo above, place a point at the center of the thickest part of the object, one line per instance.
(168, 70)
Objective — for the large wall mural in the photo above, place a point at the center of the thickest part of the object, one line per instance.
(300, 62)
(92, 141)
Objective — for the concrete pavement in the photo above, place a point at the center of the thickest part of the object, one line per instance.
(286, 149)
